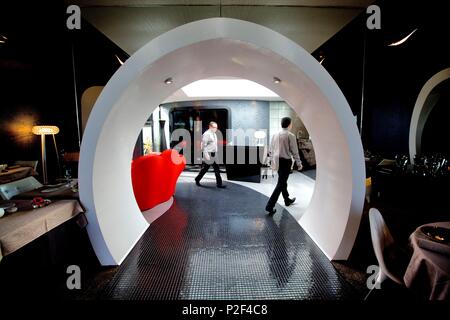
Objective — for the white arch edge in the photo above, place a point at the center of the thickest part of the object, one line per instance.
(419, 107)
(100, 222)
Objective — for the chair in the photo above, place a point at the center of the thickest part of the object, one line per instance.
(154, 177)
(33, 163)
(266, 166)
(385, 248)
(11, 189)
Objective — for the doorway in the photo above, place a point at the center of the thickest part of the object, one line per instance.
(189, 118)
(231, 48)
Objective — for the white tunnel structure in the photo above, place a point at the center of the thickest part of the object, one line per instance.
(204, 49)
(424, 105)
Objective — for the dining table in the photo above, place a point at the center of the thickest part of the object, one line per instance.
(64, 190)
(428, 272)
(27, 223)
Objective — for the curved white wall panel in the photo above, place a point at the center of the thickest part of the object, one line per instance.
(422, 110)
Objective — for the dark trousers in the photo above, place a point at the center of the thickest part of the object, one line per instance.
(205, 168)
(284, 169)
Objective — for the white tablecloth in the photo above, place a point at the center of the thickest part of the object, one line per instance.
(428, 272)
(19, 228)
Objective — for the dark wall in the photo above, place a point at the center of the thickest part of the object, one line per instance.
(393, 76)
(245, 114)
(37, 78)
(96, 58)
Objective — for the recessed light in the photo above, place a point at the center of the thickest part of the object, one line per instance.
(276, 80)
(227, 88)
(168, 81)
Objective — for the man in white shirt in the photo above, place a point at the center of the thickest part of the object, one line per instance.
(209, 148)
(282, 149)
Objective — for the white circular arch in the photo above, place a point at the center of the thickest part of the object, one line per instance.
(422, 109)
(203, 49)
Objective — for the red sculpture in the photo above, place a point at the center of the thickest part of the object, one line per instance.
(154, 177)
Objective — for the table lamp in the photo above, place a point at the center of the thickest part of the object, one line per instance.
(43, 131)
(260, 136)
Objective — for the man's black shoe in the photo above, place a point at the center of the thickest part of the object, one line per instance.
(221, 186)
(271, 211)
(289, 202)
(197, 183)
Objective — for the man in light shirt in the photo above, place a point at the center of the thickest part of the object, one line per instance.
(209, 148)
(282, 149)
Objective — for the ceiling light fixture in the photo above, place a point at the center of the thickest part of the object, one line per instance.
(276, 80)
(394, 44)
(120, 61)
(238, 88)
(168, 81)
(321, 57)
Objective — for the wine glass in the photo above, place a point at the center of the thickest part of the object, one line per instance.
(68, 174)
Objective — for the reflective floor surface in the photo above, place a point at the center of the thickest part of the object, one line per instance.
(220, 244)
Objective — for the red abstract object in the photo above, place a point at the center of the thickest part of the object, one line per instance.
(154, 177)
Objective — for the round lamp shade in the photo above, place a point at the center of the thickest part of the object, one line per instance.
(40, 130)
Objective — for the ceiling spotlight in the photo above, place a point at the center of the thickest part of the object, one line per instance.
(402, 40)
(321, 57)
(168, 81)
(3, 39)
(276, 80)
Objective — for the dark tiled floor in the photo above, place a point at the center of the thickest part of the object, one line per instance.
(219, 244)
